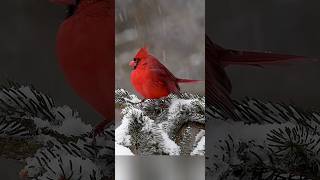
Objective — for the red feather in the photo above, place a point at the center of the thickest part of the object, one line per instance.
(85, 48)
(151, 79)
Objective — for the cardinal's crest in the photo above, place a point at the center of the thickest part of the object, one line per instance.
(142, 53)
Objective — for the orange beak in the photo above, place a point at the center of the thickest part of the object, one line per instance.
(132, 64)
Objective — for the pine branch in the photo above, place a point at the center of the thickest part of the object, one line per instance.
(52, 140)
(166, 126)
(18, 149)
(284, 143)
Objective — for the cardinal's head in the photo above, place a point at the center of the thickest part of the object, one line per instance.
(64, 2)
(70, 4)
(142, 55)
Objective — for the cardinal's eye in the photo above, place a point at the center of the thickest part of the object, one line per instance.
(136, 59)
(71, 9)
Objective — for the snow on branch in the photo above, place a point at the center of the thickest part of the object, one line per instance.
(165, 126)
(52, 140)
(273, 141)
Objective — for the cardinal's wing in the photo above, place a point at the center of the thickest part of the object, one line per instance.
(163, 75)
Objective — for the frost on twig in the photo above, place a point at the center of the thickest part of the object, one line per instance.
(52, 140)
(166, 126)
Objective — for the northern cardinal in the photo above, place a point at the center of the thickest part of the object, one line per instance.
(151, 79)
(85, 49)
(218, 85)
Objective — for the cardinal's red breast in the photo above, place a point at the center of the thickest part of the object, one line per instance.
(85, 48)
(149, 84)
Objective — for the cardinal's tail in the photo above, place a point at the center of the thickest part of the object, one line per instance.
(187, 81)
(236, 57)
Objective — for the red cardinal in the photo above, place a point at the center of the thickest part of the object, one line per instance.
(85, 49)
(218, 85)
(151, 79)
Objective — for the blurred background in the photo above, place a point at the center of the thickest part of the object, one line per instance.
(173, 31)
(27, 55)
(27, 51)
(283, 26)
(160, 168)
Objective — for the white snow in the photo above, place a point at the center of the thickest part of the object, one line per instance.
(122, 150)
(200, 148)
(40, 123)
(122, 135)
(200, 135)
(71, 125)
(169, 146)
(155, 132)
(177, 103)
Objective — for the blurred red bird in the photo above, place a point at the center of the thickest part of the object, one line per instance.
(85, 49)
(151, 79)
(218, 85)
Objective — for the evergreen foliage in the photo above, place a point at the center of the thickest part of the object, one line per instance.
(167, 126)
(283, 143)
(52, 140)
